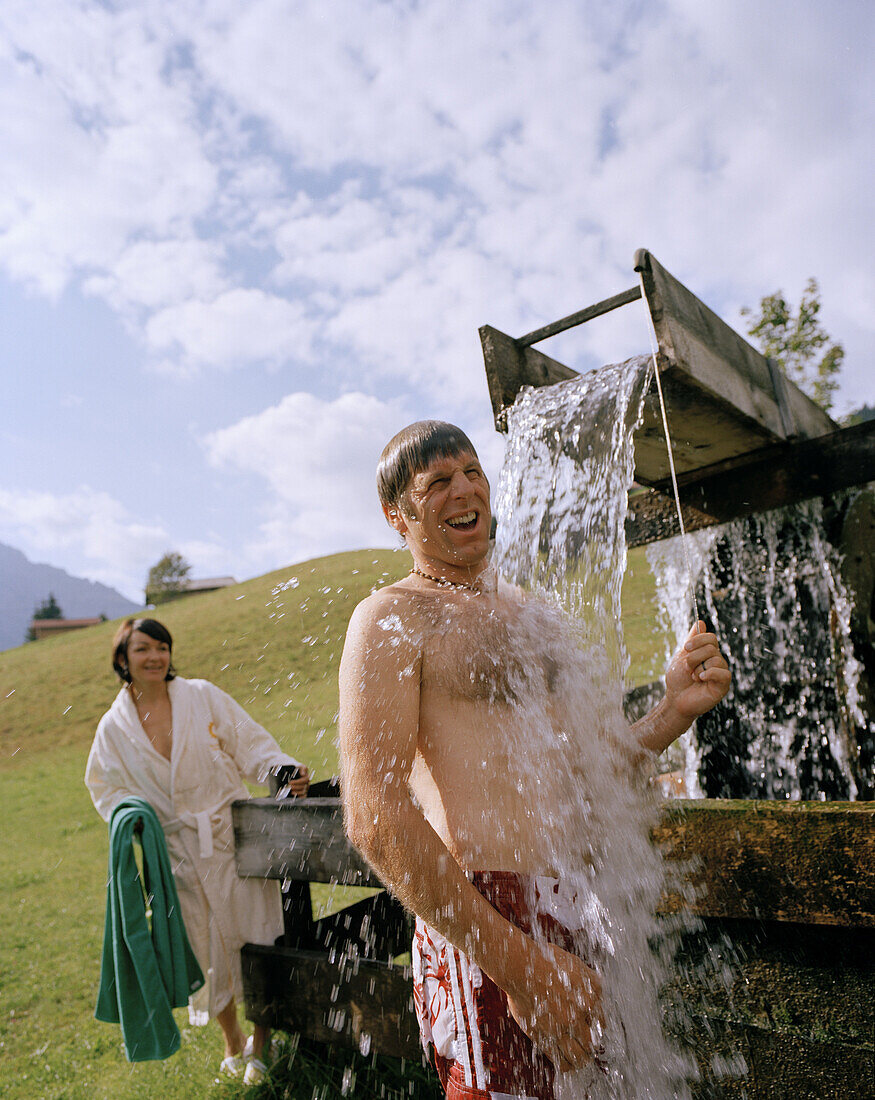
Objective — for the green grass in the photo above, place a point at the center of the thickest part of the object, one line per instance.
(276, 651)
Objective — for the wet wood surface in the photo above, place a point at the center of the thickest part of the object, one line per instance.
(509, 367)
(805, 862)
(297, 839)
(776, 973)
(724, 399)
(719, 362)
(366, 1005)
(772, 477)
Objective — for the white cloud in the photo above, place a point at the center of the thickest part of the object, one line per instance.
(319, 459)
(239, 326)
(99, 144)
(93, 533)
(356, 187)
(157, 274)
(95, 536)
(378, 183)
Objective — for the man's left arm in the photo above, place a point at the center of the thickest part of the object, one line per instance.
(696, 679)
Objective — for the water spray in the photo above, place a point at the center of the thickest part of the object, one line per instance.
(654, 354)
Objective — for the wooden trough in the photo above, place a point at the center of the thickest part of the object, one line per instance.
(785, 897)
(745, 438)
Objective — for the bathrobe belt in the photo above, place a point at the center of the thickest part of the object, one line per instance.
(206, 822)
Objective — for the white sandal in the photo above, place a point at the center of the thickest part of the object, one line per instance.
(256, 1071)
(272, 1050)
(233, 1065)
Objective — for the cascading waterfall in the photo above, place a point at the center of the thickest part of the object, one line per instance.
(561, 505)
(561, 499)
(771, 587)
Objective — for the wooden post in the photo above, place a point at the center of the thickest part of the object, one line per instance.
(509, 367)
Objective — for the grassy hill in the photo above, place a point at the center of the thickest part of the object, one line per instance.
(274, 643)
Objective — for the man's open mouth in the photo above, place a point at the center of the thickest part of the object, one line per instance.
(463, 523)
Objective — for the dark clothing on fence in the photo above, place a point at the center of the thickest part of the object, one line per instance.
(148, 966)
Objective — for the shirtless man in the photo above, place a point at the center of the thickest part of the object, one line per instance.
(434, 704)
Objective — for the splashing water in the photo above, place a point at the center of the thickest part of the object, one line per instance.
(561, 499)
(561, 506)
(771, 587)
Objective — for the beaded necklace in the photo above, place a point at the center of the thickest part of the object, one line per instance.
(444, 583)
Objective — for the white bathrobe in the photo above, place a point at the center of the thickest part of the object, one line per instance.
(215, 742)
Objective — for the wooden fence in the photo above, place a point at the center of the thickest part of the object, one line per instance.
(784, 896)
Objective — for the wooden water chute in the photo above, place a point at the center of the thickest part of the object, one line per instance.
(792, 885)
(746, 439)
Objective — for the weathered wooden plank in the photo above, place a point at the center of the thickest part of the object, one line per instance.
(509, 367)
(704, 428)
(772, 477)
(808, 981)
(783, 474)
(798, 1010)
(767, 1064)
(807, 862)
(652, 515)
(297, 839)
(799, 1013)
(360, 1003)
(720, 361)
(377, 927)
(810, 862)
(607, 305)
(723, 397)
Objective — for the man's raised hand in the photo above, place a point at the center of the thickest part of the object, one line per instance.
(698, 675)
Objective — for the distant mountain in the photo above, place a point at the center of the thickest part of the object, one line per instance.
(24, 585)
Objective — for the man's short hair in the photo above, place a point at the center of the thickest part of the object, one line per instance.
(413, 449)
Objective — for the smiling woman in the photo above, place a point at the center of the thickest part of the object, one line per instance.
(185, 747)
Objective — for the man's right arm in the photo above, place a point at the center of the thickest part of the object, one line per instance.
(551, 993)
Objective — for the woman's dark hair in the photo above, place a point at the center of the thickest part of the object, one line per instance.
(411, 450)
(154, 629)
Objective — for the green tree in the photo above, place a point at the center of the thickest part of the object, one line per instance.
(167, 578)
(798, 342)
(859, 416)
(48, 609)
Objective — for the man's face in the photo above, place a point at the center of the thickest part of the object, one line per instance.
(445, 514)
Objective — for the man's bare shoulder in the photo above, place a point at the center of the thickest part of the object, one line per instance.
(396, 612)
(397, 598)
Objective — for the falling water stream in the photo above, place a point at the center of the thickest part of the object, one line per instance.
(561, 505)
(771, 588)
(770, 585)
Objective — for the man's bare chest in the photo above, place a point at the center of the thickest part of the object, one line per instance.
(485, 658)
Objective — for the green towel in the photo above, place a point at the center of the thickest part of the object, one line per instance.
(148, 965)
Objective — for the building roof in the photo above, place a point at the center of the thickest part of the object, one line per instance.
(63, 624)
(42, 628)
(208, 583)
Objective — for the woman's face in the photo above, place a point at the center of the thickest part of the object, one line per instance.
(148, 659)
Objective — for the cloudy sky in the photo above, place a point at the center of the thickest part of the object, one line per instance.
(241, 244)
